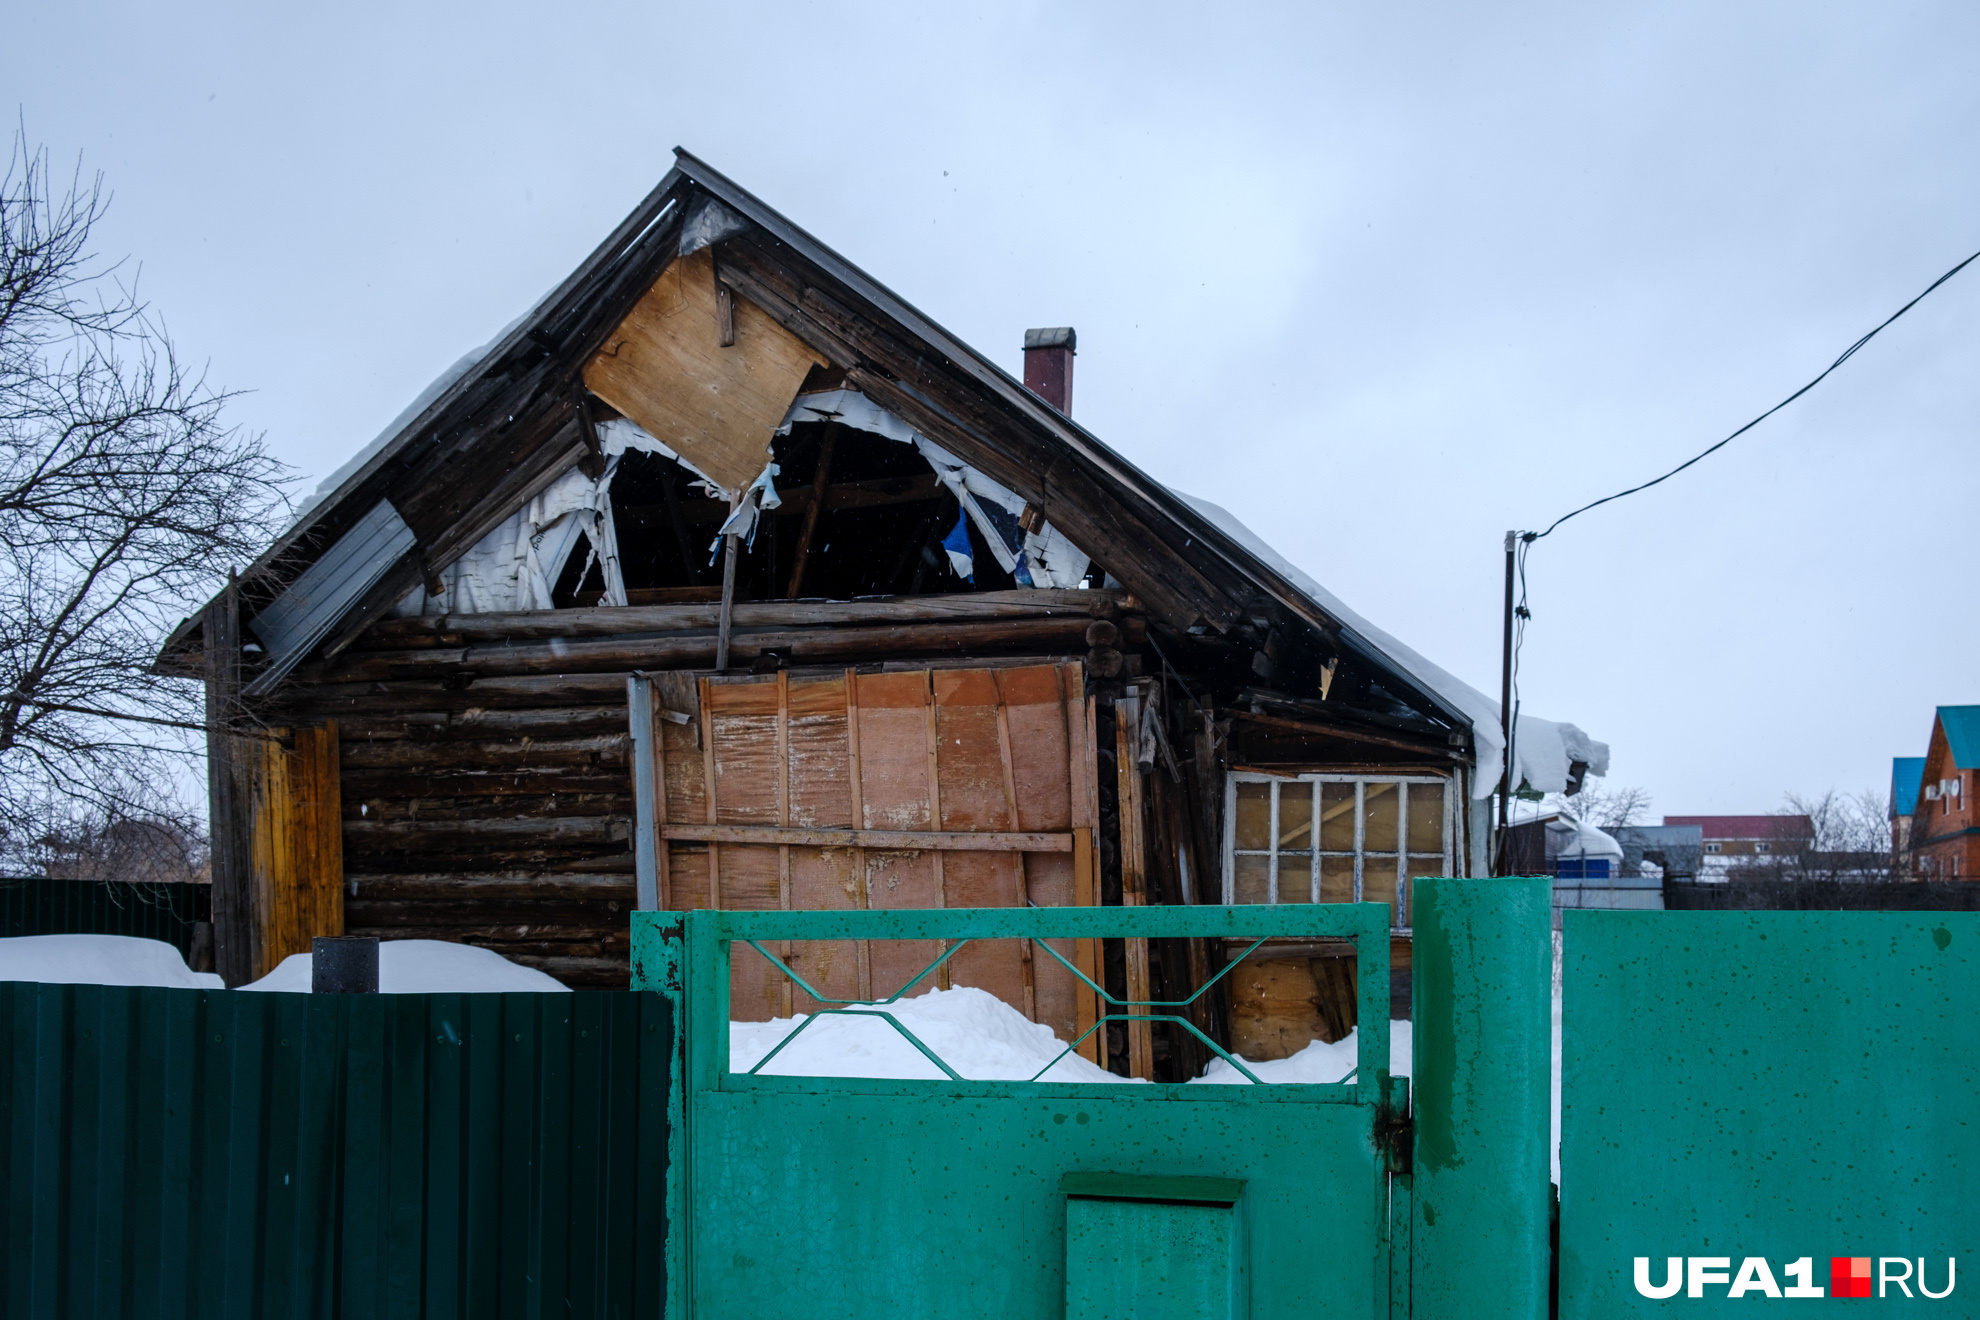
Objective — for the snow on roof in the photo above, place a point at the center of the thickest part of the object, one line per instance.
(439, 386)
(99, 960)
(1544, 749)
(425, 967)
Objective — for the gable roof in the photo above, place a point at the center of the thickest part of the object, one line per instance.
(503, 423)
(1907, 778)
(1962, 729)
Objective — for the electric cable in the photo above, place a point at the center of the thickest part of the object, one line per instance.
(1847, 354)
(1521, 613)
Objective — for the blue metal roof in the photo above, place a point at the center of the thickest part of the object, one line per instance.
(1907, 777)
(1962, 726)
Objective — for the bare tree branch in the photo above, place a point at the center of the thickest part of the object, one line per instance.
(124, 495)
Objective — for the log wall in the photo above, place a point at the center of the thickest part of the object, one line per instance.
(484, 760)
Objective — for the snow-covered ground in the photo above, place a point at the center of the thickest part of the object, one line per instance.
(985, 1039)
(99, 960)
(425, 967)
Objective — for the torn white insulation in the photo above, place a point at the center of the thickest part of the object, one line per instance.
(1544, 750)
(1044, 558)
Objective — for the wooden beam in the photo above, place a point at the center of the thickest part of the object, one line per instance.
(233, 908)
(1350, 735)
(1134, 883)
(619, 621)
(819, 479)
(880, 840)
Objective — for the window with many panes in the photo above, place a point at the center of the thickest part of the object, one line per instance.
(1335, 838)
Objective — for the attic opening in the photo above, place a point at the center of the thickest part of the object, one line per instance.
(858, 514)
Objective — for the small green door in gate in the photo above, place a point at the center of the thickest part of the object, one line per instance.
(1152, 1248)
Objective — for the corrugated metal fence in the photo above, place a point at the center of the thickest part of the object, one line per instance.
(223, 1155)
(153, 910)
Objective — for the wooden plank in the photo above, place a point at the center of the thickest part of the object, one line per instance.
(930, 841)
(296, 855)
(865, 953)
(1134, 886)
(665, 368)
(646, 793)
(784, 986)
(827, 443)
(708, 779)
(1023, 894)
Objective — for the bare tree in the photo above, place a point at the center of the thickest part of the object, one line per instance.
(1603, 807)
(124, 494)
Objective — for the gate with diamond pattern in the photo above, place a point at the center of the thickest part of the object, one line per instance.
(872, 1198)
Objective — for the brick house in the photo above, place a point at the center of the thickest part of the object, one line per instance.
(1944, 835)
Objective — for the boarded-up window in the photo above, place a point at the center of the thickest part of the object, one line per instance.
(926, 788)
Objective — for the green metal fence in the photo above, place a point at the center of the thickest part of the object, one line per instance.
(223, 1155)
(153, 910)
(1769, 1104)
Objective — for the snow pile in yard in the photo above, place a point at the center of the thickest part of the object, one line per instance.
(99, 960)
(985, 1039)
(974, 1032)
(1318, 1062)
(425, 967)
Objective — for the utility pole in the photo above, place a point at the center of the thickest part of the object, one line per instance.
(1506, 715)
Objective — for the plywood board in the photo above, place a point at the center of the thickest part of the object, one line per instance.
(963, 751)
(665, 368)
(295, 843)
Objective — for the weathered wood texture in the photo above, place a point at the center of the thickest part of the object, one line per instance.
(295, 843)
(233, 908)
(665, 367)
(497, 808)
(862, 790)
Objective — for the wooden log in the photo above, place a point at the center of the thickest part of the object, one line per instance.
(420, 836)
(491, 787)
(610, 749)
(434, 810)
(440, 887)
(478, 722)
(876, 840)
(699, 650)
(820, 478)
(611, 621)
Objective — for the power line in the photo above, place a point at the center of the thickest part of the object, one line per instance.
(1848, 353)
(1518, 543)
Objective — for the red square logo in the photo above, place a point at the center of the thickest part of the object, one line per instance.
(1849, 1276)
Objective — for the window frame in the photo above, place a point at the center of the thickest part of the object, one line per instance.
(1362, 880)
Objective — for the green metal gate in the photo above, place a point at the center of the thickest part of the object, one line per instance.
(882, 1198)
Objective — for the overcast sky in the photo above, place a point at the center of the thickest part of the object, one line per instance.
(1385, 280)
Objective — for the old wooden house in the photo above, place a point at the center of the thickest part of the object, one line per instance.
(725, 577)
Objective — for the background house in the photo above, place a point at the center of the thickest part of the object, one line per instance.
(1907, 781)
(1730, 843)
(1944, 836)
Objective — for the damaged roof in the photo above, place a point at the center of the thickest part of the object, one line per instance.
(503, 423)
